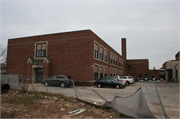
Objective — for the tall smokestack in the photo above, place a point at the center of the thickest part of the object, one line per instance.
(123, 43)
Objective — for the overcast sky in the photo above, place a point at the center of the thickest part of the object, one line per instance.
(150, 27)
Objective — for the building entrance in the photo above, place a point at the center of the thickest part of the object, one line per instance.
(39, 75)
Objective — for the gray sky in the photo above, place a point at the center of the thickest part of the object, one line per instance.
(150, 27)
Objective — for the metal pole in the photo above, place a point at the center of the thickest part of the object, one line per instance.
(160, 101)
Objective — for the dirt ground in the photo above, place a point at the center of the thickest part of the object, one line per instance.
(34, 104)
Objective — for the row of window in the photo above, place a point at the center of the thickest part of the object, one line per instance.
(103, 52)
(135, 67)
(102, 71)
(104, 55)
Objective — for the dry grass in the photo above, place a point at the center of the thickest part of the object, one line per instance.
(34, 104)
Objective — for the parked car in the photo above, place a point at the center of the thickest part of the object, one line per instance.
(146, 78)
(60, 80)
(128, 79)
(153, 78)
(110, 81)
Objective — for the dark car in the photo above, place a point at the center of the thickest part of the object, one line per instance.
(60, 80)
(109, 81)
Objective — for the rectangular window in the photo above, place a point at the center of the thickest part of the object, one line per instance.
(101, 53)
(129, 66)
(95, 72)
(96, 50)
(111, 57)
(101, 71)
(106, 71)
(114, 59)
(135, 66)
(41, 49)
(106, 58)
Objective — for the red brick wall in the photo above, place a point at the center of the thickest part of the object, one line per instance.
(71, 53)
(142, 67)
(17, 57)
(154, 73)
(70, 57)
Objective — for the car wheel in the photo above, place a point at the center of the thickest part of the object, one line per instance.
(99, 85)
(127, 83)
(46, 83)
(117, 86)
(62, 85)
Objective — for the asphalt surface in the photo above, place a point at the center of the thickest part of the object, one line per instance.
(168, 91)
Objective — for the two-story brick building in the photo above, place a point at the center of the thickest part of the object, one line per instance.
(80, 54)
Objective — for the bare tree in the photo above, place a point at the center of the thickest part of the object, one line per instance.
(3, 54)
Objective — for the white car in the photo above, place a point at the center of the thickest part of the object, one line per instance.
(128, 79)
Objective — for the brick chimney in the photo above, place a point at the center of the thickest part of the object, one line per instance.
(123, 43)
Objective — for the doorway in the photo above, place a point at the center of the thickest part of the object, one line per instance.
(39, 75)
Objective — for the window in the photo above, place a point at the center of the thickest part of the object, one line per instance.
(111, 57)
(120, 62)
(111, 72)
(129, 66)
(135, 66)
(101, 71)
(54, 77)
(101, 53)
(95, 72)
(106, 71)
(114, 59)
(109, 80)
(106, 58)
(116, 72)
(102, 80)
(61, 77)
(41, 49)
(96, 50)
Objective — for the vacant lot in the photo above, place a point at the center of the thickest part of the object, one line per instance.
(169, 92)
(37, 103)
(34, 104)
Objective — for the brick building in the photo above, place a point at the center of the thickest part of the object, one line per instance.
(80, 54)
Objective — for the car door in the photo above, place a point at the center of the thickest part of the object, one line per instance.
(109, 82)
(102, 81)
(53, 80)
(61, 79)
(57, 80)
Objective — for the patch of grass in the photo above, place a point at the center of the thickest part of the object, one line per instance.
(16, 100)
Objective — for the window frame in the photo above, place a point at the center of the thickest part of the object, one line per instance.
(45, 51)
(102, 54)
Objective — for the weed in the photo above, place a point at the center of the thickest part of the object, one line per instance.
(24, 87)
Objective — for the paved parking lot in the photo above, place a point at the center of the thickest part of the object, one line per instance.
(168, 91)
